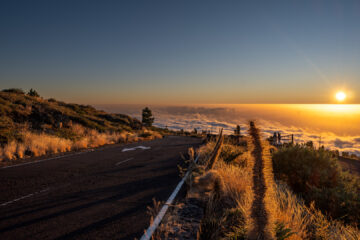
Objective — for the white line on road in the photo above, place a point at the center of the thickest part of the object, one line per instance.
(123, 161)
(23, 197)
(44, 160)
(134, 148)
(149, 232)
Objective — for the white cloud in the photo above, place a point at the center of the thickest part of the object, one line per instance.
(306, 126)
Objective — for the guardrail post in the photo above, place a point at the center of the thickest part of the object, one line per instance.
(216, 152)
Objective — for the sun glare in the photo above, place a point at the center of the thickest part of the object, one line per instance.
(340, 96)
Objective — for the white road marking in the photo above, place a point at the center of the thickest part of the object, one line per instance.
(149, 232)
(23, 197)
(123, 161)
(134, 148)
(53, 158)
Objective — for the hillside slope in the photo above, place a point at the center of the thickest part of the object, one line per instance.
(31, 126)
(19, 111)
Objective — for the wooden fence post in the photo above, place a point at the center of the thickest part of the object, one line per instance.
(216, 152)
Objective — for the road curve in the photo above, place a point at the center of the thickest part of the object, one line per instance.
(96, 195)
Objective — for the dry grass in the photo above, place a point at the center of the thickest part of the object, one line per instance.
(205, 152)
(227, 191)
(291, 212)
(77, 128)
(154, 135)
(228, 211)
(154, 210)
(39, 144)
(10, 150)
(308, 223)
(228, 207)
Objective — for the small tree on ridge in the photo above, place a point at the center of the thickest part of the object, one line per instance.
(33, 93)
(147, 117)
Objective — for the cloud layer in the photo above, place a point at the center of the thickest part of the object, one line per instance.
(336, 128)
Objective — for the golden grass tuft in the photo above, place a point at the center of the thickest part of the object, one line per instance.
(205, 152)
(20, 150)
(307, 222)
(81, 143)
(78, 129)
(10, 150)
(228, 191)
(236, 185)
(132, 137)
(155, 135)
(39, 144)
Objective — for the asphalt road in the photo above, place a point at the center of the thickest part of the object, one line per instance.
(102, 194)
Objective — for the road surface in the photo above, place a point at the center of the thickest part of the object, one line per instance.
(95, 195)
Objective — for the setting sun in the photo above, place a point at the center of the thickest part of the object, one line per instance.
(340, 96)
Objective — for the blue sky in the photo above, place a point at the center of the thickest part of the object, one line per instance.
(171, 52)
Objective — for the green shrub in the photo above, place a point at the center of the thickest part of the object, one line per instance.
(229, 153)
(316, 176)
(342, 201)
(33, 93)
(302, 167)
(282, 232)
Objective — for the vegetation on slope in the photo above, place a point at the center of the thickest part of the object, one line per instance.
(315, 175)
(228, 193)
(33, 126)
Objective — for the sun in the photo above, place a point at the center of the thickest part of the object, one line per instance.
(340, 96)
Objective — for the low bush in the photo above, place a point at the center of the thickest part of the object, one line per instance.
(316, 176)
(230, 152)
(303, 167)
(33, 93)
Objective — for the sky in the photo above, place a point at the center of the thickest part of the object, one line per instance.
(182, 52)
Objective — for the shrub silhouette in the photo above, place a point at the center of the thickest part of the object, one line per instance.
(147, 117)
(33, 93)
(302, 167)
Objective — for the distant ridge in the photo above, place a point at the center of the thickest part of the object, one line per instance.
(19, 110)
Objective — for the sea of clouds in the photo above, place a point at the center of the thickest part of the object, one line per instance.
(300, 123)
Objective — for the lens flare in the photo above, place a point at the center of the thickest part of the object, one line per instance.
(340, 96)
